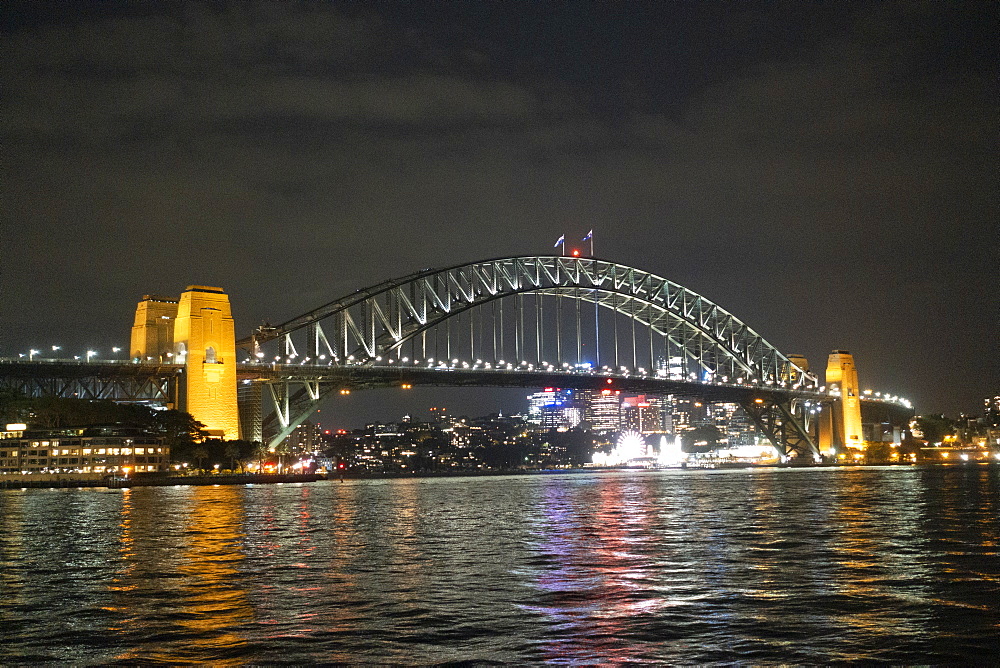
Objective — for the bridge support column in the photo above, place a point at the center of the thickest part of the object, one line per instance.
(249, 398)
(294, 402)
(787, 432)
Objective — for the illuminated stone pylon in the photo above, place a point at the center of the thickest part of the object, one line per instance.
(793, 376)
(841, 424)
(153, 331)
(205, 342)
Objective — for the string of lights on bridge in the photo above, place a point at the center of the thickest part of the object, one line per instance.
(547, 367)
(93, 356)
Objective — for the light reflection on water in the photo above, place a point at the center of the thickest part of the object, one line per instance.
(815, 565)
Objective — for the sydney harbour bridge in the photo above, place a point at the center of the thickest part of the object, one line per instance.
(531, 321)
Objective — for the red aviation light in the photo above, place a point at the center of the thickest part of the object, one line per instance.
(576, 253)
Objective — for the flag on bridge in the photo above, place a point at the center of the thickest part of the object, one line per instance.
(590, 235)
(560, 241)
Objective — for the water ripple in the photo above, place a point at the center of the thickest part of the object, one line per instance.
(892, 565)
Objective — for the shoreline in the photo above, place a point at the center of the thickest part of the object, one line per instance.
(279, 478)
(59, 482)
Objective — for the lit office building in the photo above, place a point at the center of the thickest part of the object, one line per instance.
(684, 414)
(603, 410)
(732, 421)
(671, 367)
(992, 413)
(643, 414)
(555, 408)
(304, 438)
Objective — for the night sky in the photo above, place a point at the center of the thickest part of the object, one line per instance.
(827, 172)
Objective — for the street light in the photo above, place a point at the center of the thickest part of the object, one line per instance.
(90, 353)
(55, 348)
(31, 354)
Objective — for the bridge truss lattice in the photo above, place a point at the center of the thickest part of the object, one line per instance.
(530, 315)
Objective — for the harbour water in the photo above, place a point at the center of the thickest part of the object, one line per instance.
(892, 565)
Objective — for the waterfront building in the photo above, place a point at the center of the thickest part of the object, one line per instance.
(107, 450)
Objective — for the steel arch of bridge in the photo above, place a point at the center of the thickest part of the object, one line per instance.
(698, 340)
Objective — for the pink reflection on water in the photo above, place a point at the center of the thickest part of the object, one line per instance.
(599, 582)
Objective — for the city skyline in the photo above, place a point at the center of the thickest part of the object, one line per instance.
(825, 174)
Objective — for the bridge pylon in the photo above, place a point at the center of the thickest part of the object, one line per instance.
(841, 425)
(196, 331)
(205, 342)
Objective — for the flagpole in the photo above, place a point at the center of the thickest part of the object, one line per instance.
(591, 243)
(564, 245)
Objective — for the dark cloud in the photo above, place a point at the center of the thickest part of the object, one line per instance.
(826, 172)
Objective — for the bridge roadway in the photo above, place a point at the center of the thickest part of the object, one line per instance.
(301, 387)
(123, 380)
(361, 377)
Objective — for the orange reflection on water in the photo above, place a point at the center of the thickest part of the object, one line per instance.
(213, 602)
(123, 581)
(12, 539)
(865, 563)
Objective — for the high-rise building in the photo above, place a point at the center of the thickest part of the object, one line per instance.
(670, 367)
(684, 414)
(992, 413)
(643, 414)
(304, 438)
(555, 408)
(732, 421)
(603, 410)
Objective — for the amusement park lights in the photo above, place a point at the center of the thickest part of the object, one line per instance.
(630, 446)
